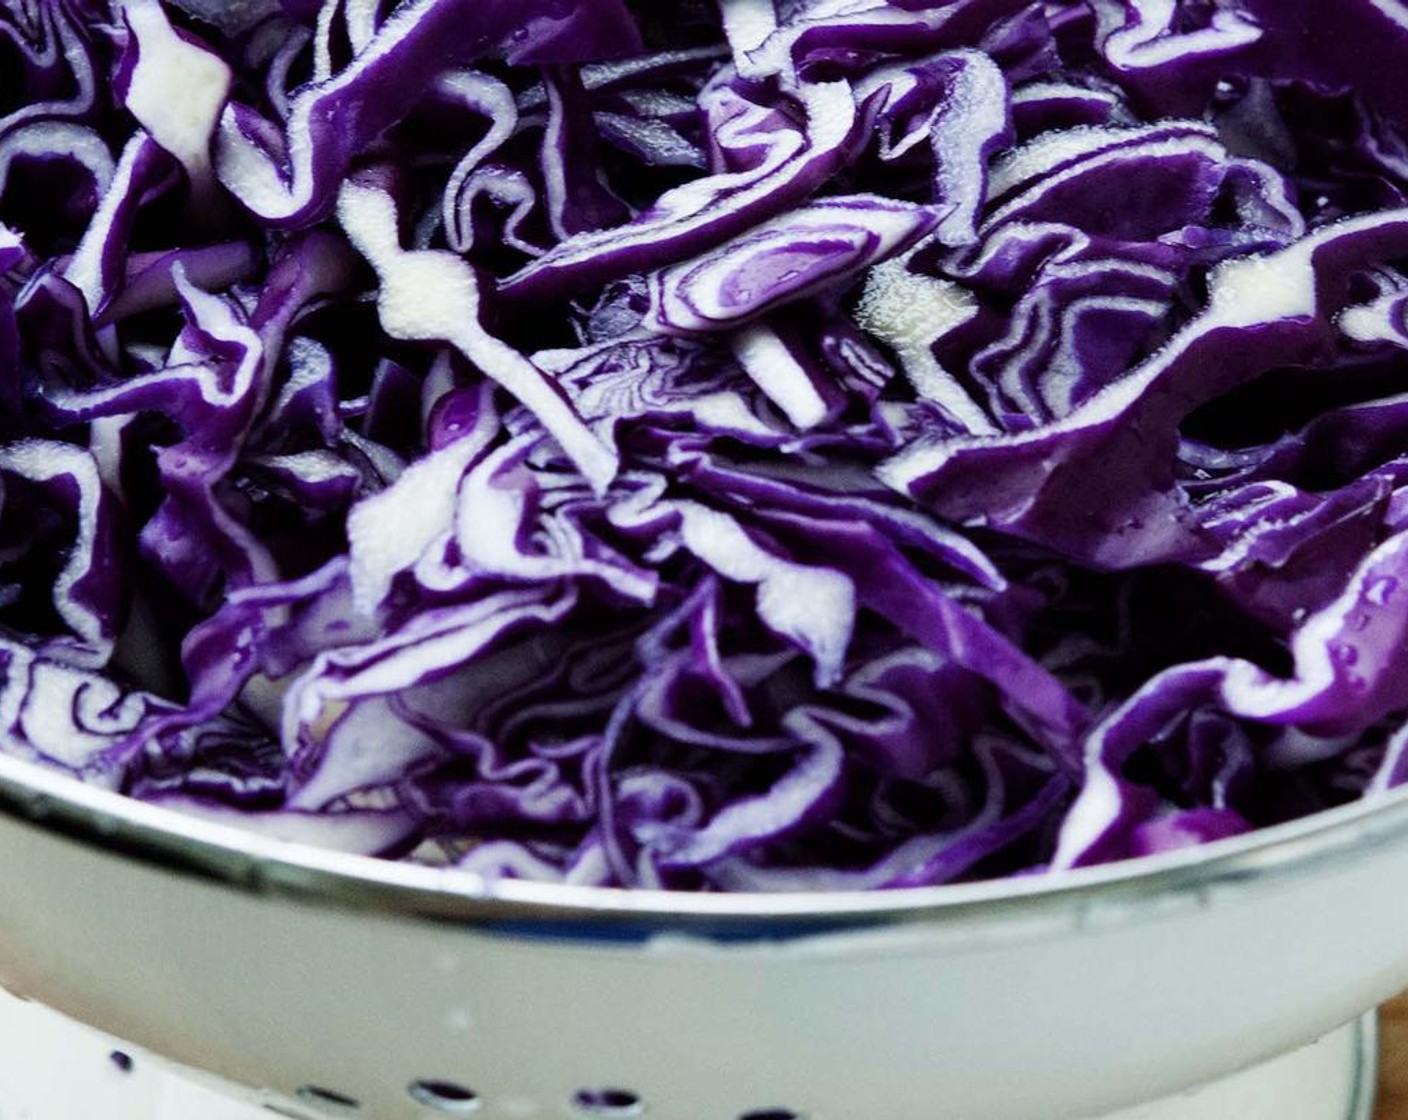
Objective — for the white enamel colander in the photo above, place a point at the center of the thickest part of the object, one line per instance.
(354, 987)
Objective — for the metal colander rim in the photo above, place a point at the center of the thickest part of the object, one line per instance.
(190, 846)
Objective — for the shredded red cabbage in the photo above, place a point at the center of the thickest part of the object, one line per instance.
(738, 445)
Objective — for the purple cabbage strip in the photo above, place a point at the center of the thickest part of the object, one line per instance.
(334, 120)
(758, 445)
(769, 162)
(806, 250)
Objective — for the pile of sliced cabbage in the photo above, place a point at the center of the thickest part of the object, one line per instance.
(811, 444)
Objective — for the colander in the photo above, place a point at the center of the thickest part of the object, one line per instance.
(363, 988)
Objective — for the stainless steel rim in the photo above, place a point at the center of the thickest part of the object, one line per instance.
(1366, 1077)
(162, 837)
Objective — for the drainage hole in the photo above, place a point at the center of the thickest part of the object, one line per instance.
(772, 1114)
(615, 1104)
(122, 1060)
(444, 1096)
(328, 1098)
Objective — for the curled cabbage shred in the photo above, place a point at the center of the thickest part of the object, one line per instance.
(748, 445)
